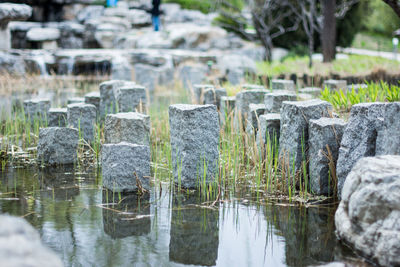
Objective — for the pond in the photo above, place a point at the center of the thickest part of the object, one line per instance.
(87, 226)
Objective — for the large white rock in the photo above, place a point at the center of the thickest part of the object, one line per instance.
(43, 34)
(21, 245)
(368, 217)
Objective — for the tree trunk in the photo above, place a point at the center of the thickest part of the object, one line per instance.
(395, 5)
(310, 49)
(328, 36)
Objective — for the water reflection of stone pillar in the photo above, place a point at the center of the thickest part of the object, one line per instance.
(308, 232)
(58, 183)
(126, 214)
(194, 232)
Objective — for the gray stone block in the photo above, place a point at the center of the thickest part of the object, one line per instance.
(120, 162)
(324, 132)
(335, 85)
(314, 91)
(108, 104)
(388, 141)
(356, 87)
(243, 101)
(75, 100)
(198, 92)
(212, 96)
(94, 99)
(131, 98)
(131, 127)
(255, 111)
(253, 87)
(226, 108)
(269, 127)
(277, 84)
(21, 245)
(82, 117)
(37, 108)
(57, 145)
(273, 101)
(368, 216)
(194, 131)
(359, 138)
(57, 117)
(295, 116)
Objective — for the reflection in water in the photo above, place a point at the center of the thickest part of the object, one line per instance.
(194, 232)
(126, 214)
(87, 227)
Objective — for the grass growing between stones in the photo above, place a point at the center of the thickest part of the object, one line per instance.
(343, 100)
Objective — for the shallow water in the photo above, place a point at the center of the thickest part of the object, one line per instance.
(87, 226)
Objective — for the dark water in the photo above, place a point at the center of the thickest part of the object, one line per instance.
(87, 226)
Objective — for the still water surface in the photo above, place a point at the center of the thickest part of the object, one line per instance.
(87, 226)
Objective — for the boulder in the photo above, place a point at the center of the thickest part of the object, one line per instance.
(57, 145)
(236, 67)
(191, 74)
(198, 92)
(314, 91)
(131, 127)
(388, 141)
(13, 64)
(90, 12)
(21, 245)
(57, 117)
(273, 101)
(131, 98)
(83, 117)
(294, 133)
(359, 138)
(369, 213)
(152, 76)
(324, 133)
(43, 34)
(120, 163)
(288, 85)
(194, 131)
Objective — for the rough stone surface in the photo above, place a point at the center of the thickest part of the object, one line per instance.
(288, 85)
(255, 111)
(359, 138)
(57, 145)
(57, 117)
(273, 101)
(213, 96)
(108, 103)
(9, 12)
(243, 101)
(192, 74)
(295, 116)
(324, 132)
(82, 116)
(227, 108)
(94, 99)
(120, 162)
(131, 127)
(37, 108)
(369, 213)
(131, 98)
(335, 84)
(194, 133)
(21, 245)
(388, 141)
(269, 126)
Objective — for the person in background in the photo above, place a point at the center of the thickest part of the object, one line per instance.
(155, 14)
(112, 3)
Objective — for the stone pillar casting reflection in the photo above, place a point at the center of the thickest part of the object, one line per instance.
(194, 232)
(126, 214)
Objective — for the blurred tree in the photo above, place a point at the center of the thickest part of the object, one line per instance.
(394, 4)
